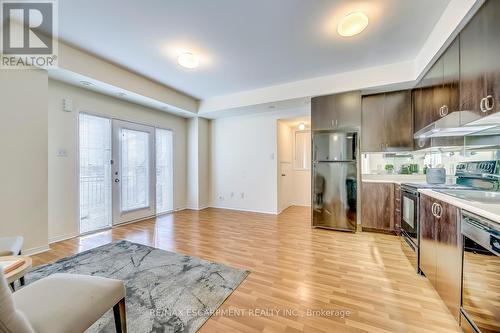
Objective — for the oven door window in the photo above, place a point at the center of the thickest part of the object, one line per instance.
(481, 288)
(409, 212)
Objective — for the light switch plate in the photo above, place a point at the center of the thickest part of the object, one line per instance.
(61, 152)
(67, 105)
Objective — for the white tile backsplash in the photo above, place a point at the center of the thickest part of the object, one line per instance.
(374, 163)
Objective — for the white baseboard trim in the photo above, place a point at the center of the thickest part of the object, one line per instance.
(35, 250)
(63, 237)
(198, 208)
(245, 210)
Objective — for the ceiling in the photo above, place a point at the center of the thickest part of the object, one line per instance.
(245, 45)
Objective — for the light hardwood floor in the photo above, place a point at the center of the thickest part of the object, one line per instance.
(293, 269)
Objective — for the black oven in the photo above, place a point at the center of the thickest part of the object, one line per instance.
(409, 213)
(480, 312)
(410, 224)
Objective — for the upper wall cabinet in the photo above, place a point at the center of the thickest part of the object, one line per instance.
(336, 111)
(386, 122)
(437, 94)
(480, 63)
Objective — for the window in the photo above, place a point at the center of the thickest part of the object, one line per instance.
(302, 150)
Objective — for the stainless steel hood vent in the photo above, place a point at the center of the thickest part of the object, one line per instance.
(451, 125)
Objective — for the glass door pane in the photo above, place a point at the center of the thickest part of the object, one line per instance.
(133, 172)
(95, 172)
(164, 171)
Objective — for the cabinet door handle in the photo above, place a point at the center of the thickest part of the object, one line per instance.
(482, 105)
(489, 103)
(433, 209)
(441, 114)
(445, 110)
(439, 211)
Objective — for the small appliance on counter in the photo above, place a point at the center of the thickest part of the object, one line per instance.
(436, 175)
(470, 175)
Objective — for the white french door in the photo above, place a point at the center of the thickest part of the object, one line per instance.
(95, 172)
(133, 172)
(164, 171)
(126, 172)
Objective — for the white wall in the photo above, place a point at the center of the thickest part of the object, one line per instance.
(244, 161)
(23, 143)
(204, 154)
(63, 199)
(192, 164)
(198, 163)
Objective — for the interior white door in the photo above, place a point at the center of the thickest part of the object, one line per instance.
(286, 185)
(134, 176)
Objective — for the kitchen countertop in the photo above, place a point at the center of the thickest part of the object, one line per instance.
(393, 178)
(489, 211)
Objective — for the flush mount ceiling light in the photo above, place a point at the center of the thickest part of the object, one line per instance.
(188, 60)
(302, 126)
(352, 24)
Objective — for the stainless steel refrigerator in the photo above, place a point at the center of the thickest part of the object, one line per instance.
(335, 180)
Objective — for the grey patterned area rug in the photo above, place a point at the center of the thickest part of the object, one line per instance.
(166, 291)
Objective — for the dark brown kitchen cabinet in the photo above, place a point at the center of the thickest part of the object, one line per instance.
(451, 78)
(398, 121)
(426, 113)
(377, 207)
(437, 94)
(480, 63)
(336, 111)
(386, 122)
(428, 239)
(440, 250)
(372, 123)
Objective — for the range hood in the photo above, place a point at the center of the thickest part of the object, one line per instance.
(453, 125)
